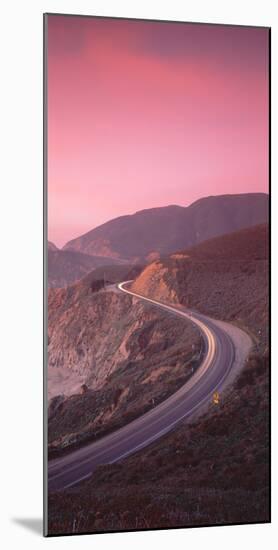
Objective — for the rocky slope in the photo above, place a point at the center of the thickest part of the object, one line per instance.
(150, 233)
(110, 359)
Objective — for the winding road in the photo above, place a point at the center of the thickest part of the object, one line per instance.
(222, 353)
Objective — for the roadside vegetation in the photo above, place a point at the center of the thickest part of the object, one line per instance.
(213, 471)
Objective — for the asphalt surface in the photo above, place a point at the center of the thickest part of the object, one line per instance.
(219, 355)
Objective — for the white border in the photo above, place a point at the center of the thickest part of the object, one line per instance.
(21, 266)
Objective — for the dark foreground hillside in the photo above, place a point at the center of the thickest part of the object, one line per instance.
(212, 472)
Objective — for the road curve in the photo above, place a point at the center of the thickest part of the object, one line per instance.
(218, 361)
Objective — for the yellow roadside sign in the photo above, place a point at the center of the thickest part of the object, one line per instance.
(216, 398)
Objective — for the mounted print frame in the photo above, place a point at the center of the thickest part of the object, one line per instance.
(156, 274)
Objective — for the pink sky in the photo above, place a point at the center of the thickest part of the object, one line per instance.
(145, 114)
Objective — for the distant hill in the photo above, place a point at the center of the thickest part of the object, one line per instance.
(68, 266)
(158, 231)
(51, 246)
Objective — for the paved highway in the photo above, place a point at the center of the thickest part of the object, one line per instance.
(219, 356)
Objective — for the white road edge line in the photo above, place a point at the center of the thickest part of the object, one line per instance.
(77, 481)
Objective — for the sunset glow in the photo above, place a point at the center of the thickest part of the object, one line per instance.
(146, 114)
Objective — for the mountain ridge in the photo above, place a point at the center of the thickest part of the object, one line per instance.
(148, 233)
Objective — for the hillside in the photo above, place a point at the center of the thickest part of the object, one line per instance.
(215, 469)
(159, 231)
(67, 266)
(51, 246)
(226, 277)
